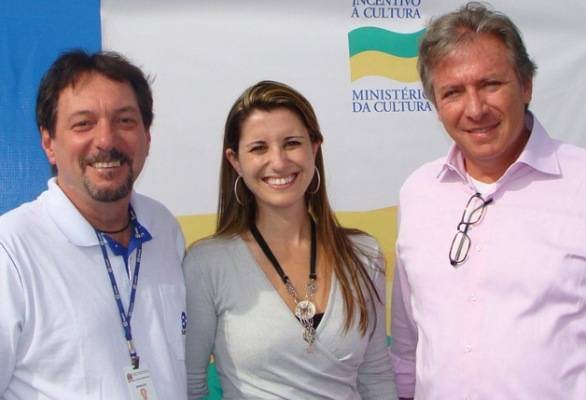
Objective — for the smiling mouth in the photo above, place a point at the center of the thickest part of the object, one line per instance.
(278, 181)
(106, 160)
(105, 165)
(483, 130)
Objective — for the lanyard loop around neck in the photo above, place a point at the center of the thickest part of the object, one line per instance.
(125, 317)
(304, 308)
(269, 254)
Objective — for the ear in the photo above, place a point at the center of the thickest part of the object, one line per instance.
(527, 91)
(438, 115)
(232, 157)
(148, 138)
(315, 147)
(47, 142)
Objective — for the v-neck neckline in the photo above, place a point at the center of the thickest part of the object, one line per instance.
(282, 302)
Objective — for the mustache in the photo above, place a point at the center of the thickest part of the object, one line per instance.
(106, 156)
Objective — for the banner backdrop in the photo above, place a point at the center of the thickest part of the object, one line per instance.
(353, 59)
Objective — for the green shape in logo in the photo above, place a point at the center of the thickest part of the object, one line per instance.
(379, 52)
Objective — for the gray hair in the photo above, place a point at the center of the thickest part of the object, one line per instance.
(448, 31)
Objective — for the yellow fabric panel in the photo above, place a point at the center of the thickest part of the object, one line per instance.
(196, 227)
(376, 63)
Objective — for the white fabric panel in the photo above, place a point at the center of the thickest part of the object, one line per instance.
(204, 53)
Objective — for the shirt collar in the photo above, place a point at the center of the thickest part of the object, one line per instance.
(74, 226)
(119, 250)
(539, 154)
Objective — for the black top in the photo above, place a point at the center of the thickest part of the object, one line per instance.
(316, 319)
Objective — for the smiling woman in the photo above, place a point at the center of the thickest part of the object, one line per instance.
(290, 303)
(275, 158)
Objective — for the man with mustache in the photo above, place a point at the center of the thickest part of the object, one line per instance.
(490, 281)
(92, 296)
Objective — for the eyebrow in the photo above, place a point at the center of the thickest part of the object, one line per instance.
(256, 142)
(120, 110)
(79, 113)
(295, 137)
(450, 87)
(126, 109)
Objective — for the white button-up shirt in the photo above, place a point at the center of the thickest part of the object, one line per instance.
(510, 322)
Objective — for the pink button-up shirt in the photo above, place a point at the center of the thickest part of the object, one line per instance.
(510, 322)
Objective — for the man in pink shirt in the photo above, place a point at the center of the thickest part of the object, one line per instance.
(490, 282)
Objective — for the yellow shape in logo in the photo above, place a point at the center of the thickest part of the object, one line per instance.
(378, 63)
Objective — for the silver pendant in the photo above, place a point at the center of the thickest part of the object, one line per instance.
(305, 310)
(309, 337)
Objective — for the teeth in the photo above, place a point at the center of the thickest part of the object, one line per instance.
(483, 129)
(110, 164)
(280, 181)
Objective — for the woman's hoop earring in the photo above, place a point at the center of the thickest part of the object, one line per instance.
(318, 182)
(236, 190)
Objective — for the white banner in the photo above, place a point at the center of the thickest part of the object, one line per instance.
(352, 59)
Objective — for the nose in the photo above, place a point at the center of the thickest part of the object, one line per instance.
(475, 105)
(278, 158)
(105, 135)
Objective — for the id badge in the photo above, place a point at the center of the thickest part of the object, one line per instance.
(140, 383)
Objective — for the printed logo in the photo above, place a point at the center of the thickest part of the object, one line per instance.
(380, 52)
(387, 9)
(183, 323)
(387, 58)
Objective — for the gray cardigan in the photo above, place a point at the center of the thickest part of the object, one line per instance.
(235, 313)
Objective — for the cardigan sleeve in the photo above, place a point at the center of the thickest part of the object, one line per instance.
(375, 379)
(404, 334)
(202, 322)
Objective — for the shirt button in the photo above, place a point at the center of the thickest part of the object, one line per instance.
(468, 348)
(473, 298)
(478, 248)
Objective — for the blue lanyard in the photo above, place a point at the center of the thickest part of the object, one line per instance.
(125, 317)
